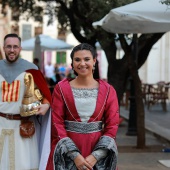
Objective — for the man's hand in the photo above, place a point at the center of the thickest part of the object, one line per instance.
(42, 109)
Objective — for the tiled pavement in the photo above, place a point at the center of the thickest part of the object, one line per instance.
(157, 124)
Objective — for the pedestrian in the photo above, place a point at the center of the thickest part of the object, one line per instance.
(24, 111)
(85, 118)
(49, 70)
(53, 81)
(36, 62)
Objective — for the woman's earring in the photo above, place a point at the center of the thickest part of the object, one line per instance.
(93, 67)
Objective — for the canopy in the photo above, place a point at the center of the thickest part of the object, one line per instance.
(46, 43)
(146, 16)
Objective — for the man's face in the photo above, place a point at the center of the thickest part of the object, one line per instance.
(12, 49)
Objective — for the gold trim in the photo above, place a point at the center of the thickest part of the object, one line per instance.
(31, 98)
(10, 133)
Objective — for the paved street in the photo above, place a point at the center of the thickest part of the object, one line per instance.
(157, 125)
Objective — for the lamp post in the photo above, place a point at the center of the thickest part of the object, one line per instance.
(132, 124)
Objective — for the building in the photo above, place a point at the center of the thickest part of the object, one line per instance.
(155, 69)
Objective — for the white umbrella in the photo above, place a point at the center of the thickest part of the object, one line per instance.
(47, 44)
(146, 16)
(38, 52)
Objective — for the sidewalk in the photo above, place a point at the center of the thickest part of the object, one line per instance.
(157, 124)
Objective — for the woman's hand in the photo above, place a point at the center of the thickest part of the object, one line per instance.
(42, 109)
(81, 163)
(91, 160)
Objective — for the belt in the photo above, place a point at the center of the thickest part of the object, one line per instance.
(11, 116)
(82, 127)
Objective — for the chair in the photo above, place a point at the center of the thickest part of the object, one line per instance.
(145, 92)
(158, 94)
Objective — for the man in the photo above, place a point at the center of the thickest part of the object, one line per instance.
(49, 70)
(36, 62)
(50, 75)
(17, 152)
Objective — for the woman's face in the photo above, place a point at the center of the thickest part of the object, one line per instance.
(83, 63)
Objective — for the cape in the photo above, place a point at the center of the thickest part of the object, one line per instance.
(41, 83)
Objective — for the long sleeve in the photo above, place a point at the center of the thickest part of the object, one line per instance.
(58, 115)
(100, 154)
(111, 114)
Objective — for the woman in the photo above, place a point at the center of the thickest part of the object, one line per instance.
(85, 118)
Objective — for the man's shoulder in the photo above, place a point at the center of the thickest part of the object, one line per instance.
(28, 64)
(2, 61)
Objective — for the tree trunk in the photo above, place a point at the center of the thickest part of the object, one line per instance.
(141, 143)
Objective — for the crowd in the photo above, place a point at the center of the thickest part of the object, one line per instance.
(54, 73)
(71, 127)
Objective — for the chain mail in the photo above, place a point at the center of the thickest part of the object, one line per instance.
(81, 127)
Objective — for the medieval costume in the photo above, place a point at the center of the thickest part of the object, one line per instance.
(16, 152)
(84, 121)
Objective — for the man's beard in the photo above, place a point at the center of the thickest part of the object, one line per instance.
(11, 61)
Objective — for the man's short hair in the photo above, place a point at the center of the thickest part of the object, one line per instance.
(12, 35)
(36, 60)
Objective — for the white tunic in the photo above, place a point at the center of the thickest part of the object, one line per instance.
(16, 153)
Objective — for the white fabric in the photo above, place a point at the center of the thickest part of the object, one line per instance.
(18, 153)
(26, 154)
(88, 102)
(45, 141)
(146, 16)
(12, 107)
(49, 71)
(25, 150)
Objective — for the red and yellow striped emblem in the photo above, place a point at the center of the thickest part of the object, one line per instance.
(10, 92)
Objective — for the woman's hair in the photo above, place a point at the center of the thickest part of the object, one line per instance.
(83, 46)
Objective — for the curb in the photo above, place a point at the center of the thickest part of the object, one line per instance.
(151, 126)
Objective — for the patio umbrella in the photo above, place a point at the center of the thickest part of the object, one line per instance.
(42, 43)
(46, 43)
(38, 53)
(146, 16)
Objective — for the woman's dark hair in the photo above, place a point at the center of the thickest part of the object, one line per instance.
(83, 46)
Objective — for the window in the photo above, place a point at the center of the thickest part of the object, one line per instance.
(61, 57)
